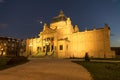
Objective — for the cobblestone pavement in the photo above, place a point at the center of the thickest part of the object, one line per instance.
(46, 69)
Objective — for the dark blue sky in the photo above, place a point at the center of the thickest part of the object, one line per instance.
(20, 18)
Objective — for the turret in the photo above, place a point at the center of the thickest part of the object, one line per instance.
(44, 27)
(106, 26)
(76, 29)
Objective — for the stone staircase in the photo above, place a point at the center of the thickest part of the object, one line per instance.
(43, 55)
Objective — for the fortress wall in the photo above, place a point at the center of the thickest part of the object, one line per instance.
(95, 42)
(96, 39)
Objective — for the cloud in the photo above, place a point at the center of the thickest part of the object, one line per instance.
(3, 25)
(2, 1)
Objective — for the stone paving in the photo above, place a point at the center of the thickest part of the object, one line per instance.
(46, 69)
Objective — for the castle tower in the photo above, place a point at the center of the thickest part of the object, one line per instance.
(44, 27)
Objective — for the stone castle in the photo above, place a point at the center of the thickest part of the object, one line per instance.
(63, 40)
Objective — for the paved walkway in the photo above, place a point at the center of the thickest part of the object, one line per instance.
(46, 69)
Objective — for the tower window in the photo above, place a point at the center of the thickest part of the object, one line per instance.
(61, 47)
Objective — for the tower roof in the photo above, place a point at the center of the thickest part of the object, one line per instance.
(61, 13)
(60, 17)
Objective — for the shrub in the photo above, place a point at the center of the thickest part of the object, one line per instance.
(17, 60)
(87, 58)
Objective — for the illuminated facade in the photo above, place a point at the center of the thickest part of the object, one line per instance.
(63, 40)
(11, 47)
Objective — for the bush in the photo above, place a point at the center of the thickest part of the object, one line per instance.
(87, 58)
(17, 60)
(4, 60)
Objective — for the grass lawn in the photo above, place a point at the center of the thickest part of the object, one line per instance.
(102, 70)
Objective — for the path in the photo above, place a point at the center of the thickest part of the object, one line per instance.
(46, 69)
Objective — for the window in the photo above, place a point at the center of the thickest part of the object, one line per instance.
(61, 47)
(67, 47)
